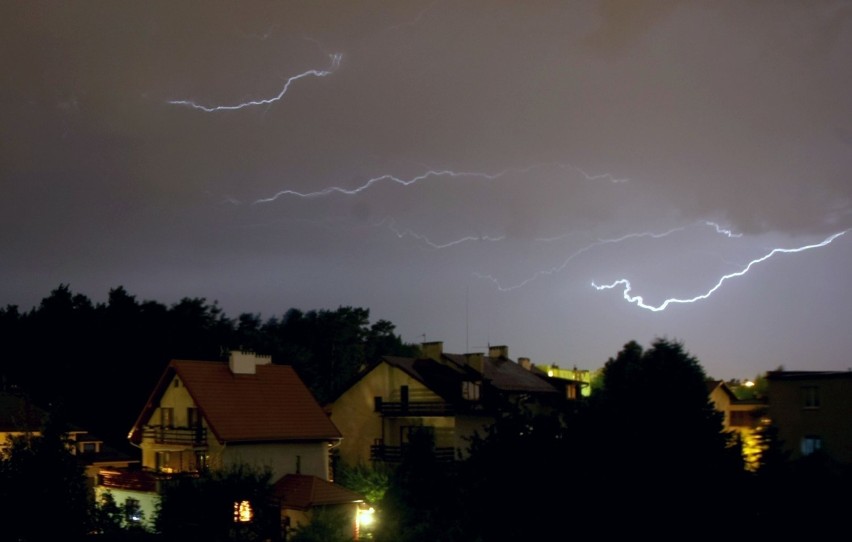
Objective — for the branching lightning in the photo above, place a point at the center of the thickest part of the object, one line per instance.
(568, 260)
(424, 176)
(335, 62)
(640, 302)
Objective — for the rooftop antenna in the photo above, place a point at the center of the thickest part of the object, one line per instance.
(467, 319)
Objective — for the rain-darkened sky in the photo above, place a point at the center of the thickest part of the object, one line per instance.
(466, 170)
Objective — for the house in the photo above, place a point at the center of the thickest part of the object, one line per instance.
(745, 416)
(303, 497)
(812, 411)
(21, 418)
(451, 396)
(211, 415)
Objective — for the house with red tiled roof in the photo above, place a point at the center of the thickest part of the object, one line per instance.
(302, 497)
(451, 396)
(212, 415)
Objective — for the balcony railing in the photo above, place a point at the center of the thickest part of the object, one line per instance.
(393, 454)
(195, 436)
(135, 480)
(138, 479)
(413, 408)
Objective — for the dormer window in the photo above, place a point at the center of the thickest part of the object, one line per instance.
(470, 390)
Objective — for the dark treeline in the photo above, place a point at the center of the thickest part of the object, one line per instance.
(99, 361)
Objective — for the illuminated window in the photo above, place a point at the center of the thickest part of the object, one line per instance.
(201, 459)
(571, 391)
(810, 444)
(163, 462)
(470, 391)
(810, 396)
(242, 512)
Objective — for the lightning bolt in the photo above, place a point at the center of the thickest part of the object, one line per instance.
(335, 62)
(723, 231)
(424, 176)
(640, 302)
(409, 233)
(568, 260)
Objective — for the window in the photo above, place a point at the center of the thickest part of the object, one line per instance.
(167, 417)
(810, 396)
(739, 418)
(571, 391)
(177, 382)
(242, 512)
(201, 460)
(810, 444)
(470, 391)
(192, 419)
(163, 462)
(89, 447)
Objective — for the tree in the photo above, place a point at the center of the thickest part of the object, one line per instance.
(40, 471)
(420, 503)
(655, 427)
(326, 525)
(208, 506)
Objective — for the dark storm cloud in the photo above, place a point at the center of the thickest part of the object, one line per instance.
(584, 122)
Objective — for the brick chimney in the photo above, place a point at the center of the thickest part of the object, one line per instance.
(432, 350)
(498, 351)
(246, 362)
(525, 363)
(475, 361)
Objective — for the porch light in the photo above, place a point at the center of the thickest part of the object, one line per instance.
(366, 516)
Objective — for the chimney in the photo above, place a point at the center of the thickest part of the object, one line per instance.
(498, 351)
(246, 362)
(525, 363)
(433, 350)
(475, 361)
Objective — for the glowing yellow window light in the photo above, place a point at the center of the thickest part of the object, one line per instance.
(242, 512)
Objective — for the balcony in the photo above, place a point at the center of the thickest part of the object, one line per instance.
(134, 480)
(413, 408)
(137, 479)
(393, 454)
(184, 436)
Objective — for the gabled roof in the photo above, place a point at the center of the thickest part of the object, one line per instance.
(301, 492)
(713, 384)
(271, 405)
(444, 377)
(507, 376)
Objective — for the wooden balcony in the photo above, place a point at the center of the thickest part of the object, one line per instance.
(185, 436)
(393, 454)
(413, 408)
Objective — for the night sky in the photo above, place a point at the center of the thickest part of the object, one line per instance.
(466, 170)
